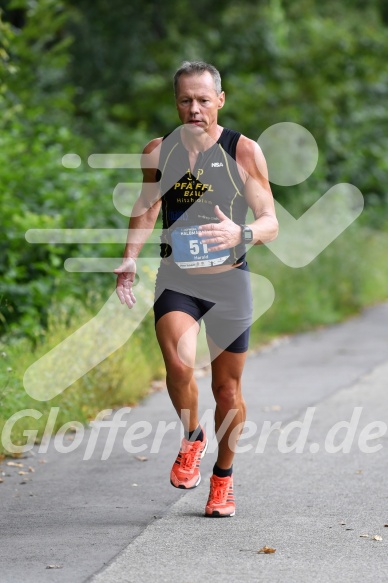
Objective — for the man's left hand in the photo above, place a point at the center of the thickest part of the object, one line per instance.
(222, 235)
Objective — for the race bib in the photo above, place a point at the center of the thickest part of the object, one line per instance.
(189, 251)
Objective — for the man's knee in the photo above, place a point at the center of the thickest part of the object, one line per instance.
(178, 373)
(227, 393)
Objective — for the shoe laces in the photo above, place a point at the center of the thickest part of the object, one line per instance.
(190, 456)
(219, 490)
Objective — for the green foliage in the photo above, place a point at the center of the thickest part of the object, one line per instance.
(124, 55)
(320, 64)
(37, 192)
(324, 71)
(121, 379)
(350, 274)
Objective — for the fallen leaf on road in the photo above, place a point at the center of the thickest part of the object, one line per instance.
(22, 473)
(54, 567)
(365, 535)
(1, 480)
(385, 524)
(267, 550)
(359, 472)
(141, 458)
(31, 469)
(377, 537)
(15, 464)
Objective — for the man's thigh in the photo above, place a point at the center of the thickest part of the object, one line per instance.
(226, 366)
(177, 336)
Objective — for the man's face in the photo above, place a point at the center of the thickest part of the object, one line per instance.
(197, 101)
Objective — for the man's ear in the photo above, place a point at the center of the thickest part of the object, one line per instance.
(221, 100)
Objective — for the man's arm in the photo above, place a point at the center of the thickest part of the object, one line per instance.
(257, 191)
(143, 218)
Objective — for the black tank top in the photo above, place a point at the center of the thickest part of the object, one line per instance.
(189, 196)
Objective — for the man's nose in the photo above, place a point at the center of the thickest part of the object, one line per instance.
(194, 107)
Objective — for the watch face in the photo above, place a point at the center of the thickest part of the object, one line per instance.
(247, 235)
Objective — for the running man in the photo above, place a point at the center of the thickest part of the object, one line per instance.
(202, 177)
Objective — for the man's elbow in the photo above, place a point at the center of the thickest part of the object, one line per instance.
(275, 229)
(269, 233)
(272, 230)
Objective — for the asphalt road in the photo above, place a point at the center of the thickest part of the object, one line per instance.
(119, 520)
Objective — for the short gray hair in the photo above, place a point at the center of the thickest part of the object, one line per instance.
(197, 68)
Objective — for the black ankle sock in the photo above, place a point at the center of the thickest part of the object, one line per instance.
(196, 435)
(222, 473)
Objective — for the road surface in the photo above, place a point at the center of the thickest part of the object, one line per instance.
(311, 482)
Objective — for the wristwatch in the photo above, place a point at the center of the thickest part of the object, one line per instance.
(246, 234)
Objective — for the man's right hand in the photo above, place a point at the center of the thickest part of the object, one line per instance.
(125, 278)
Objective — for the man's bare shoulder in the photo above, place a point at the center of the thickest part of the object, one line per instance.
(150, 159)
(152, 145)
(250, 156)
(247, 148)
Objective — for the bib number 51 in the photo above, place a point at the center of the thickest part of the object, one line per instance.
(194, 247)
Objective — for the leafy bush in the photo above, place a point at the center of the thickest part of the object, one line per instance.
(37, 192)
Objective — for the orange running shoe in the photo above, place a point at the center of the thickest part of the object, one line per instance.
(185, 471)
(221, 497)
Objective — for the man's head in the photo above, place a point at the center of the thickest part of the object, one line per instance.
(198, 95)
(197, 68)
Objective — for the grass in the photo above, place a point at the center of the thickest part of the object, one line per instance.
(121, 379)
(350, 274)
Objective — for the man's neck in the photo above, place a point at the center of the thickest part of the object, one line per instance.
(202, 141)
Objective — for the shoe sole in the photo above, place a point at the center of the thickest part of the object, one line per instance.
(181, 486)
(216, 514)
